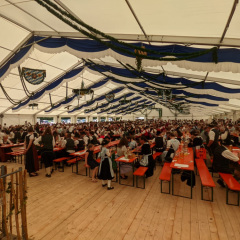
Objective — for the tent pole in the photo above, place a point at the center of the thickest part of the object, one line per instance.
(229, 20)
(138, 22)
(17, 6)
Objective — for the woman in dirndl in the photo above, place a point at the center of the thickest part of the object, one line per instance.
(28, 146)
(105, 169)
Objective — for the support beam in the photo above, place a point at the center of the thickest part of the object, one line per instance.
(137, 20)
(186, 40)
(17, 6)
(229, 20)
(16, 23)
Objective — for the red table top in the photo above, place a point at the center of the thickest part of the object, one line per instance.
(56, 149)
(186, 160)
(11, 145)
(82, 152)
(126, 161)
(113, 143)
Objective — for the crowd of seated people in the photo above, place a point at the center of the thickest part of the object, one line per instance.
(167, 135)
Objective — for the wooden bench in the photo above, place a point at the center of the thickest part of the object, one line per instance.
(165, 175)
(72, 162)
(87, 168)
(60, 161)
(16, 154)
(232, 184)
(201, 153)
(140, 172)
(156, 154)
(211, 160)
(205, 176)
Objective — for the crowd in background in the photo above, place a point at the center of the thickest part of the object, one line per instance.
(167, 135)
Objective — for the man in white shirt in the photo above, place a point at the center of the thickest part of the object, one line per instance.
(213, 137)
(171, 148)
(225, 161)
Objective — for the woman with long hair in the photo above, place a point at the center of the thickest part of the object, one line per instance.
(28, 147)
(122, 150)
(47, 143)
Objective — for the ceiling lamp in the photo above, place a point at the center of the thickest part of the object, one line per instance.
(124, 101)
(80, 92)
(33, 105)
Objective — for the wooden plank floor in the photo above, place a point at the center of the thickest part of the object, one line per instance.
(70, 206)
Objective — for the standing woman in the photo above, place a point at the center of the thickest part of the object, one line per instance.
(28, 147)
(105, 169)
(47, 142)
(122, 150)
(90, 161)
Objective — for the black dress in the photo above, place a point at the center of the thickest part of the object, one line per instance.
(105, 171)
(30, 166)
(47, 153)
(91, 161)
(146, 152)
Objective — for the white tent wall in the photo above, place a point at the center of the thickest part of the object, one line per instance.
(17, 119)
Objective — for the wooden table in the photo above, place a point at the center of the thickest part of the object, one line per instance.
(113, 143)
(80, 155)
(7, 146)
(185, 163)
(116, 136)
(125, 161)
(57, 149)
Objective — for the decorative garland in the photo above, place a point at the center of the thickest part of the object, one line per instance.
(59, 13)
(92, 64)
(13, 102)
(141, 75)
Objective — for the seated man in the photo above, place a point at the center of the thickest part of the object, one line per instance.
(225, 137)
(70, 144)
(225, 161)
(160, 142)
(172, 147)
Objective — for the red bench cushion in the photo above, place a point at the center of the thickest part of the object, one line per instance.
(61, 159)
(72, 161)
(140, 171)
(165, 174)
(205, 176)
(231, 182)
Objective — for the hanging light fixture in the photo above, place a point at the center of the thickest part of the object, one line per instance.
(80, 92)
(33, 105)
(124, 101)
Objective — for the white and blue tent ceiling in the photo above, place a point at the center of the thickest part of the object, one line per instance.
(34, 38)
